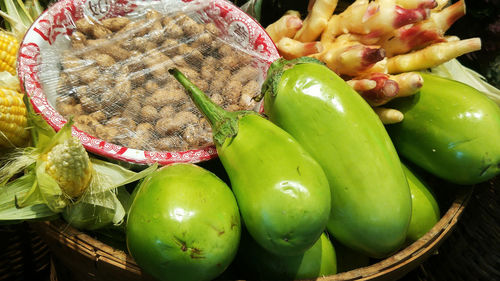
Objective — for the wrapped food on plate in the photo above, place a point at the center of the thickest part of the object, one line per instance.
(108, 70)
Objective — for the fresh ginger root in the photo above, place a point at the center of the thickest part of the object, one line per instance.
(414, 4)
(371, 18)
(432, 55)
(441, 4)
(409, 83)
(290, 48)
(317, 19)
(384, 89)
(287, 26)
(423, 33)
(389, 115)
(379, 88)
(346, 56)
(376, 45)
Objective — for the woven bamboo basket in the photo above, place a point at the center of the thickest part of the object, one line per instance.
(86, 258)
(473, 251)
(24, 255)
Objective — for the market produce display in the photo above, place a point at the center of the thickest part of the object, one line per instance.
(282, 192)
(315, 106)
(376, 45)
(358, 119)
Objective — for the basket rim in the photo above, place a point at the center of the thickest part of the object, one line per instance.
(410, 257)
(396, 265)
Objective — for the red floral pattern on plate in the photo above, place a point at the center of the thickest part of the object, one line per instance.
(59, 20)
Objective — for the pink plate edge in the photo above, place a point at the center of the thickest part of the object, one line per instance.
(28, 77)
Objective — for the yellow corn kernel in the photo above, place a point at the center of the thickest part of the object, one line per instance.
(12, 119)
(8, 52)
(69, 164)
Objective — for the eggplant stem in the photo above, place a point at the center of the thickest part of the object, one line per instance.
(224, 123)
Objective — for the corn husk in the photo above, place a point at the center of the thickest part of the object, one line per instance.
(9, 211)
(19, 16)
(36, 195)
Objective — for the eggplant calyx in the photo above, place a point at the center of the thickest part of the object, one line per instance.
(276, 71)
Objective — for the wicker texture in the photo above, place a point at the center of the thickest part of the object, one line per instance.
(24, 255)
(89, 259)
(473, 251)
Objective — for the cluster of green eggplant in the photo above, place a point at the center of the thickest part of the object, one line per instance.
(319, 179)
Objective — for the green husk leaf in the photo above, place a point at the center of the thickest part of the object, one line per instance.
(45, 190)
(111, 176)
(99, 210)
(17, 16)
(50, 191)
(10, 213)
(15, 162)
(100, 205)
(125, 198)
(453, 69)
(9, 81)
(94, 212)
(106, 201)
(45, 145)
(87, 216)
(120, 211)
(41, 132)
(34, 8)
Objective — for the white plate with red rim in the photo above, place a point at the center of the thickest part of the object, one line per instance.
(41, 40)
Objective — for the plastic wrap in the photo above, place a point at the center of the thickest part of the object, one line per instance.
(109, 71)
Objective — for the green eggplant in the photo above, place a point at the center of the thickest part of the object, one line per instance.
(450, 130)
(282, 192)
(259, 264)
(425, 209)
(371, 203)
(183, 224)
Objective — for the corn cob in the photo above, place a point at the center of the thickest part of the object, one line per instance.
(12, 119)
(8, 52)
(69, 164)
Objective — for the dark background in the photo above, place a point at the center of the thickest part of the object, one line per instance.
(472, 252)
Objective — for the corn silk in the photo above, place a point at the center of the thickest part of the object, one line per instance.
(28, 192)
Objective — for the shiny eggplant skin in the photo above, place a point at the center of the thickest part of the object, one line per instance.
(183, 224)
(449, 129)
(425, 209)
(282, 192)
(371, 204)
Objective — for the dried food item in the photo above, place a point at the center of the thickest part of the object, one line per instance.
(114, 78)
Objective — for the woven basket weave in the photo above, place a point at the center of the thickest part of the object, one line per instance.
(473, 251)
(89, 259)
(23, 254)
